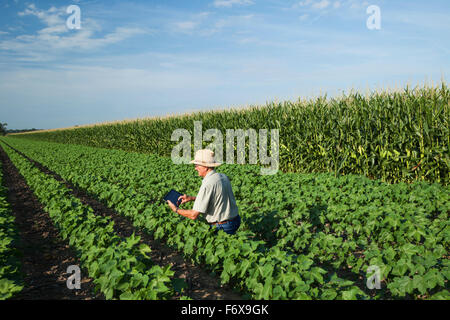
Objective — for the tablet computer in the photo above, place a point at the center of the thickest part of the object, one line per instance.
(173, 196)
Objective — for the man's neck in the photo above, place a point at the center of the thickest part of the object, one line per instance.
(207, 172)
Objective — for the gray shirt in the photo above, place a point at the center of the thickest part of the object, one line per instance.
(215, 198)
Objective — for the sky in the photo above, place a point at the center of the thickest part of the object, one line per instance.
(134, 59)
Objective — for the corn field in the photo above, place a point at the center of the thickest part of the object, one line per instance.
(391, 136)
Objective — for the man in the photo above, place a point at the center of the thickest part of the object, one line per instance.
(215, 197)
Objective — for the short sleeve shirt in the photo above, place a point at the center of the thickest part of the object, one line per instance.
(216, 199)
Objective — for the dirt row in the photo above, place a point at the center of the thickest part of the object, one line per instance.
(45, 257)
(201, 284)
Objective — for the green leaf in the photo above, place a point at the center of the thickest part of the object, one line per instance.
(267, 290)
(127, 296)
(441, 295)
(145, 250)
(329, 294)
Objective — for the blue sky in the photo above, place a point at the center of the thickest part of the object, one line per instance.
(134, 59)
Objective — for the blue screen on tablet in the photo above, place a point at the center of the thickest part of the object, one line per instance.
(173, 196)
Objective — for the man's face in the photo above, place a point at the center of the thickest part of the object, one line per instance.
(201, 170)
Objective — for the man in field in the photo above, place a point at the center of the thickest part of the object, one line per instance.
(215, 197)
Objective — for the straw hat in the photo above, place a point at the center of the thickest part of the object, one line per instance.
(205, 158)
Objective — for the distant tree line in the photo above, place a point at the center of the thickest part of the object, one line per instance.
(21, 130)
(4, 131)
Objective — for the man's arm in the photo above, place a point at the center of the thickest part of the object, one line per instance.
(191, 214)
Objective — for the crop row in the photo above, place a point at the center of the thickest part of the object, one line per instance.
(11, 281)
(120, 267)
(392, 136)
(330, 224)
(262, 272)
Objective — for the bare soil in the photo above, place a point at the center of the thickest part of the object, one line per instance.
(45, 256)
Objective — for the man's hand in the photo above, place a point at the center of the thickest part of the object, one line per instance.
(172, 206)
(185, 198)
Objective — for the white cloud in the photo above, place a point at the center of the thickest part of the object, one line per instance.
(230, 3)
(52, 17)
(185, 26)
(303, 17)
(191, 25)
(200, 26)
(81, 39)
(305, 3)
(41, 45)
(194, 24)
(321, 4)
(358, 4)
